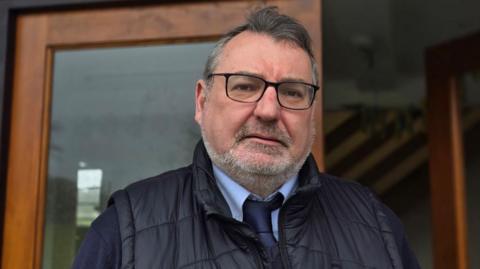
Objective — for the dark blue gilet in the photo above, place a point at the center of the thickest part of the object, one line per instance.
(180, 220)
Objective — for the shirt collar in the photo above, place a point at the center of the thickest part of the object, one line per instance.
(235, 194)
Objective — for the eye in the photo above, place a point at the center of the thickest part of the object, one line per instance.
(244, 87)
(292, 91)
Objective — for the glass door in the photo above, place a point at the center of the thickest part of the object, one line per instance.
(118, 115)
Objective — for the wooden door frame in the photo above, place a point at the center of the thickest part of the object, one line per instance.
(39, 34)
(445, 63)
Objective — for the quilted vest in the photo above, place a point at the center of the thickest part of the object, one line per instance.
(180, 220)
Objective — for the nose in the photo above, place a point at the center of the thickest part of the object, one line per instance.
(268, 108)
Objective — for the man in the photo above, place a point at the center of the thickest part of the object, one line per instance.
(253, 197)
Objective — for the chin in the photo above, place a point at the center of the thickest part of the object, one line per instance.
(262, 159)
(260, 151)
(261, 163)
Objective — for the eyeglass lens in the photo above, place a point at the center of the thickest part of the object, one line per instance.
(250, 89)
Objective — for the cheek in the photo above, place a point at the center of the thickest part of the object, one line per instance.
(228, 124)
(222, 121)
(300, 130)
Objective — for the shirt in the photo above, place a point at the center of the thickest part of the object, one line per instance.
(235, 195)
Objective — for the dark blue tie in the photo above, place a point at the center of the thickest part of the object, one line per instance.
(258, 214)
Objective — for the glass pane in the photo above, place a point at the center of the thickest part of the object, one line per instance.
(471, 133)
(118, 115)
(374, 99)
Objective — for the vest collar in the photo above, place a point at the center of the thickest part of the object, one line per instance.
(204, 184)
(209, 196)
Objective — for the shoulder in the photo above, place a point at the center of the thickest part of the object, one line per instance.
(156, 200)
(354, 196)
(350, 201)
(341, 189)
(361, 202)
(407, 256)
(337, 182)
(106, 225)
(101, 247)
(164, 186)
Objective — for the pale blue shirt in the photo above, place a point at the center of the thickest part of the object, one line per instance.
(235, 195)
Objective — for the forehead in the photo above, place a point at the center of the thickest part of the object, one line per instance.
(261, 54)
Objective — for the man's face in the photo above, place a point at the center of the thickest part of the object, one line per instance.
(260, 137)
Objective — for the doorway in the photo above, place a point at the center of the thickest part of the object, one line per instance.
(102, 97)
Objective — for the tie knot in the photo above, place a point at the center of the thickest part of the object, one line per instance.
(267, 206)
(258, 214)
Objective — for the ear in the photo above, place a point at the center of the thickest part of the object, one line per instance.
(200, 98)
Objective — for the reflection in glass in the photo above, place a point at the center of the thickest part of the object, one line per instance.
(471, 133)
(118, 115)
(89, 183)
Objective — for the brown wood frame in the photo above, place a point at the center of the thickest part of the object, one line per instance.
(39, 35)
(444, 65)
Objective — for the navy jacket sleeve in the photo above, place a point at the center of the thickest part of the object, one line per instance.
(409, 259)
(101, 248)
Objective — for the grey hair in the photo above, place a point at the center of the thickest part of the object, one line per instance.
(267, 21)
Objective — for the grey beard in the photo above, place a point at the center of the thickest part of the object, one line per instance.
(259, 179)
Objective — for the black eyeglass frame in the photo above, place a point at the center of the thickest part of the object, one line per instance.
(267, 84)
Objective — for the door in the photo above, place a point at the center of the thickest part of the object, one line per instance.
(453, 120)
(97, 94)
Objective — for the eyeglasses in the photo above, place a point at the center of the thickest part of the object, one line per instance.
(250, 89)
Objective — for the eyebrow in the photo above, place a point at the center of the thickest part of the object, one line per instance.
(285, 79)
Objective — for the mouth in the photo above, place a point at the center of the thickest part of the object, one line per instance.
(265, 139)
